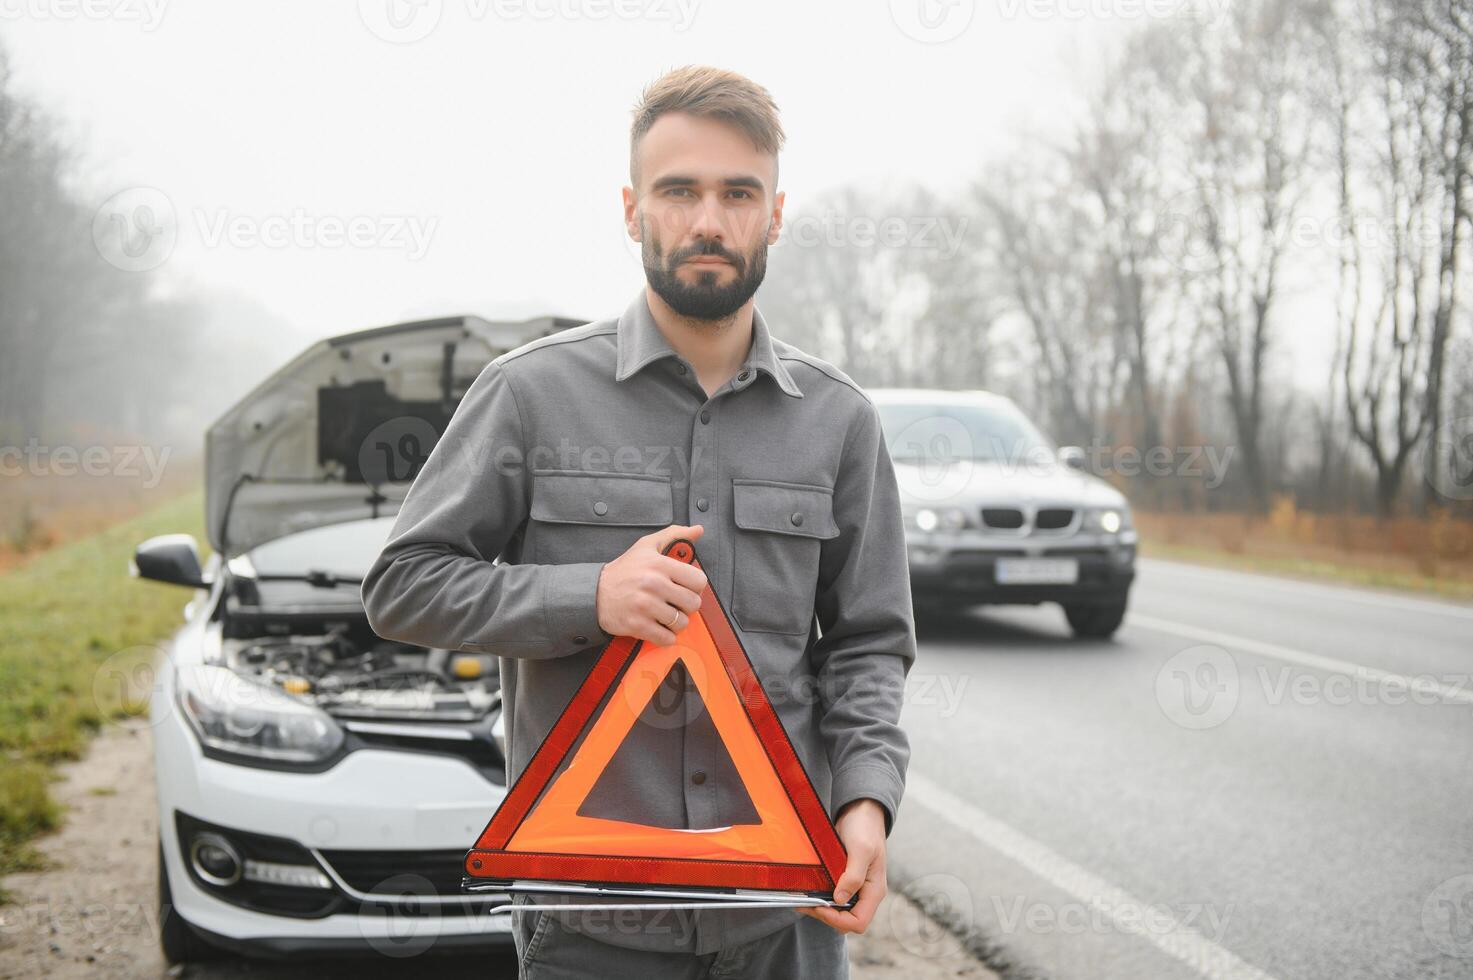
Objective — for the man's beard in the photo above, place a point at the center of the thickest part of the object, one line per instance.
(705, 299)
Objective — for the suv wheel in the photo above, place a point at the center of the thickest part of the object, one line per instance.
(1095, 620)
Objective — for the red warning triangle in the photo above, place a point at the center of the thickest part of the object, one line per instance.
(537, 833)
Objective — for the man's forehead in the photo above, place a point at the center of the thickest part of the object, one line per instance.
(703, 149)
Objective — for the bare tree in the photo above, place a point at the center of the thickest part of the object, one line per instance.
(1401, 138)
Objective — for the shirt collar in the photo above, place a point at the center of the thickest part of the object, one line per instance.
(640, 342)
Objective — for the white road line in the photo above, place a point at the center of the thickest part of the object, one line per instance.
(1339, 593)
(1179, 941)
(1315, 661)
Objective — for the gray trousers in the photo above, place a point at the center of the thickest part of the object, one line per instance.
(806, 950)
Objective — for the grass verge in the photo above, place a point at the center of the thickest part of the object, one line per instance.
(78, 635)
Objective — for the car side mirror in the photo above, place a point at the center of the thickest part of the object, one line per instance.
(171, 558)
(1072, 456)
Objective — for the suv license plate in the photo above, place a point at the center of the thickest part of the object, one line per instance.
(1037, 571)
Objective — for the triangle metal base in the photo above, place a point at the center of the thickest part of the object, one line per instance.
(655, 898)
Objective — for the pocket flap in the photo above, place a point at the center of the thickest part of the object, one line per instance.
(601, 498)
(785, 508)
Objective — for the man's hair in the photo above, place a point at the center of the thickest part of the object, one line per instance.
(712, 92)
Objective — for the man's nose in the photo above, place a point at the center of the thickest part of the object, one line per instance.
(708, 221)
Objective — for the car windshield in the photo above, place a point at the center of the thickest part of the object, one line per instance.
(931, 432)
(344, 550)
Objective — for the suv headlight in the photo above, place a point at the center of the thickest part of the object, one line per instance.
(1108, 520)
(231, 714)
(939, 518)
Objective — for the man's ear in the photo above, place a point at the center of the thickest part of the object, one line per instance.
(775, 227)
(631, 213)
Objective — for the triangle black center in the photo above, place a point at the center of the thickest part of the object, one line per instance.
(649, 775)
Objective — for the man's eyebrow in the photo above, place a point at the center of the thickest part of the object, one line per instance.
(681, 180)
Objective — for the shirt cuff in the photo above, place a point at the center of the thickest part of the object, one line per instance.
(879, 783)
(570, 599)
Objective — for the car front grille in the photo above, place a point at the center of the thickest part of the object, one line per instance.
(1002, 518)
(393, 872)
(1053, 518)
(1046, 520)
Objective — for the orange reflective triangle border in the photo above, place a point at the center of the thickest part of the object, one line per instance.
(537, 833)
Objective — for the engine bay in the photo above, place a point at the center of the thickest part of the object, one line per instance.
(351, 673)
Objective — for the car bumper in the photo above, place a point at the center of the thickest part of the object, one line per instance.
(386, 829)
(963, 568)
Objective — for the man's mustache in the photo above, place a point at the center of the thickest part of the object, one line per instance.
(707, 247)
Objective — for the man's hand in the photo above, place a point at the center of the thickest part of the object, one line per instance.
(861, 826)
(640, 590)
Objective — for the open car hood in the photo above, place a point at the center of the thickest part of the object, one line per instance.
(339, 432)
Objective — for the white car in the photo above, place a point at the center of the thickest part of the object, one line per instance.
(996, 513)
(318, 787)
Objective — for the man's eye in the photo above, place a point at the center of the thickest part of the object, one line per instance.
(678, 190)
(744, 195)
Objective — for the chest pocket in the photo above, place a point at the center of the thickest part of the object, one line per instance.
(577, 516)
(780, 530)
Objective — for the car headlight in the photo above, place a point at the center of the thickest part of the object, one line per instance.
(231, 714)
(1109, 520)
(947, 518)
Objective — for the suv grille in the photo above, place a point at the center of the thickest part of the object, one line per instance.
(1053, 519)
(1005, 518)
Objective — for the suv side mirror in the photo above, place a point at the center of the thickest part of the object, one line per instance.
(1072, 456)
(171, 558)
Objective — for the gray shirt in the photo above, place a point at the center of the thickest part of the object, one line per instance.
(566, 450)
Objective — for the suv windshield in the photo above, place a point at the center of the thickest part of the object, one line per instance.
(928, 432)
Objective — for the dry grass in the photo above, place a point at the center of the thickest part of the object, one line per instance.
(1432, 554)
(38, 513)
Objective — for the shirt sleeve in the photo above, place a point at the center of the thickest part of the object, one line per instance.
(437, 583)
(867, 641)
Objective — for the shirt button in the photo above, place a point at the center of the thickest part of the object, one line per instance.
(705, 416)
(698, 777)
(580, 639)
(600, 508)
(680, 368)
(797, 519)
(702, 503)
(743, 376)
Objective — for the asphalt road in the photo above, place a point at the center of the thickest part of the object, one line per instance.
(1256, 777)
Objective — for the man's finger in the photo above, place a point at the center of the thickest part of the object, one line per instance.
(677, 595)
(853, 876)
(685, 574)
(661, 539)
